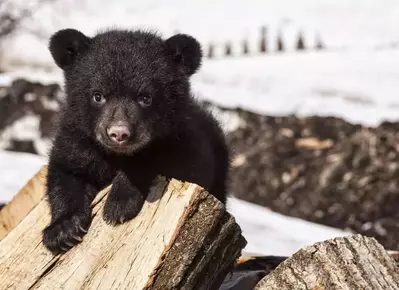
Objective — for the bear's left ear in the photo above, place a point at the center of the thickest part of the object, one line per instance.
(67, 45)
(185, 51)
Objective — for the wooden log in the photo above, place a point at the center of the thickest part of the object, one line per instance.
(250, 269)
(23, 202)
(353, 262)
(182, 239)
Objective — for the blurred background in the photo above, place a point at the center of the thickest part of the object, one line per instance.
(307, 91)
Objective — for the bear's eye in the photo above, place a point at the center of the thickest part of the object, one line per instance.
(145, 101)
(98, 98)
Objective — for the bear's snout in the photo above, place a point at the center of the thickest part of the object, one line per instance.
(119, 133)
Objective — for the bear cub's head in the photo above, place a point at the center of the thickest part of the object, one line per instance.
(125, 88)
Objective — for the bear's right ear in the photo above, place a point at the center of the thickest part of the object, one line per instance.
(67, 45)
(186, 52)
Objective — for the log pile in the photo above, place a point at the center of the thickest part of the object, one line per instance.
(182, 239)
(320, 169)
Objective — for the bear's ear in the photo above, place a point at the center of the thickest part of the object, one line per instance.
(67, 45)
(185, 51)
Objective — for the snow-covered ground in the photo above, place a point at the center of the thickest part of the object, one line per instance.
(360, 86)
(267, 232)
(15, 170)
(271, 233)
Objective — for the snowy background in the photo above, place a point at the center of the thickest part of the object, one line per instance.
(355, 77)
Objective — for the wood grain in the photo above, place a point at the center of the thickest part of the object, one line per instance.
(182, 239)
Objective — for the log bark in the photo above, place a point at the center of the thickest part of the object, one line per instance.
(182, 239)
(23, 202)
(353, 262)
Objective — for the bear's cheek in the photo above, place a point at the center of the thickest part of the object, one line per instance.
(140, 129)
(88, 117)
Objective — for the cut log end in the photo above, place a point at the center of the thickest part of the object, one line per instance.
(207, 239)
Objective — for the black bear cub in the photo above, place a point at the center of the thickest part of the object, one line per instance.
(129, 116)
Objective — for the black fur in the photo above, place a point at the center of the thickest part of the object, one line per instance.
(186, 52)
(66, 45)
(137, 79)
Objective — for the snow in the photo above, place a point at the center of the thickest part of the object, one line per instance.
(15, 170)
(360, 86)
(271, 233)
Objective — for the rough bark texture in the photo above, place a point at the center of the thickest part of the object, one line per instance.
(354, 262)
(182, 222)
(23, 202)
(250, 269)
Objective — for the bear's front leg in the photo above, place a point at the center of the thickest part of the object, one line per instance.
(70, 203)
(124, 201)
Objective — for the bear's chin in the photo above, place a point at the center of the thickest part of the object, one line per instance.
(126, 149)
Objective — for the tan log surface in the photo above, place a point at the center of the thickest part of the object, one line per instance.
(23, 202)
(182, 239)
(353, 262)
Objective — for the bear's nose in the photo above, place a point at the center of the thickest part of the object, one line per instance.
(118, 133)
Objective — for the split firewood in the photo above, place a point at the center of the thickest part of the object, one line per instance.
(183, 238)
